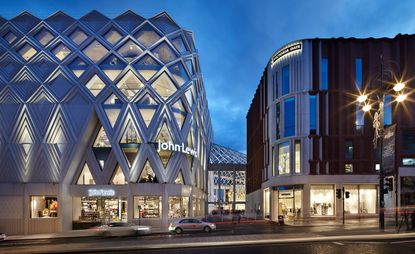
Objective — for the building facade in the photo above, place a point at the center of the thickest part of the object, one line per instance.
(226, 181)
(101, 120)
(311, 136)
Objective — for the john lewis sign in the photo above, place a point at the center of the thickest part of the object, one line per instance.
(169, 146)
(101, 192)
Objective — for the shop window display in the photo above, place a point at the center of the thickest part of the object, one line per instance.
(178, 207)
(43, 207)
(289, 203)
(103, 210)
(322, 200)
(367, 198)
(351, 204)
(147, 206)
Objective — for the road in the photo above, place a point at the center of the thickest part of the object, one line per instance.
(236, 235)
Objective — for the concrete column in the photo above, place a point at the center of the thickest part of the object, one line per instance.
(306, 206)
(165, 208)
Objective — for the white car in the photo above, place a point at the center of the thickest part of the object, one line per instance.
(123, 229)
(2, 236)
(181, 225)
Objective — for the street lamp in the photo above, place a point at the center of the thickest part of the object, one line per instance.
(384, 89)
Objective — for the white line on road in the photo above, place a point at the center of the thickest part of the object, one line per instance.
(399, 242)
(338, 243)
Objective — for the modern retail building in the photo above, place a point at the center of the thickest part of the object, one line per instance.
(101, 119)
(308, 136)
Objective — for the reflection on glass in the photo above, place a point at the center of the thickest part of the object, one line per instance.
(179, 73)
(95, 51)
(147, 67)
(164, 53)
(179, 112)
(147, 35)
(27, 52)
(61, 51)
(78, 36)
(44, 36)
(112, 36)
(130, 50)
(112, 67)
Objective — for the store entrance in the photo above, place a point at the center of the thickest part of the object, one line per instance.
(98, 210)
(289, 204)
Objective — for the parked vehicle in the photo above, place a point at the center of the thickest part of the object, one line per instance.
(123, 229)
(188, 224)
(2, 236)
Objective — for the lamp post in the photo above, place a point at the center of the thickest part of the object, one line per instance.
(384, 89)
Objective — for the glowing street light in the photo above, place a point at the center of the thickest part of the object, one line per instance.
(398, 87)
(401, 97)
(362, 98)
(367, 108)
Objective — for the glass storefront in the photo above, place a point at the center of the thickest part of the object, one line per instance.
(289, 203)
(267, 203)
(322, 200)
(147, 206)
(104, 210)
(178, 207)
(43, 207)
(362, 199)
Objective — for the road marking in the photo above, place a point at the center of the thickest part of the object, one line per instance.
(338, 243)
(408, 241)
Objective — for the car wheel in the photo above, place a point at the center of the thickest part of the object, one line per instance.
(207, 229)
(178, 230)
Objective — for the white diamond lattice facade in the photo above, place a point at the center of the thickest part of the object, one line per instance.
(101, 120)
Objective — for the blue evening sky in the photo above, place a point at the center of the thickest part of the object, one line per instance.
(236, 38)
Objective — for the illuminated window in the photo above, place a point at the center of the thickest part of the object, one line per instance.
(130, 50)
(313, 114)
(284, 158)
(27, 52)
(164, 136)
(10, 37)
(349, 150)
(43, 207)
(273, 161)
(112, 107)
(178, 207)
(78, 67)
(129, 143)
(61, 51)
(164, 86)
(95, 51)
(164, 53)
(95, 85)
(351, 204)
(179, 112)
(85, 178)
(147, 67)
(289, 117)
(322, 200)
(147, 35)
(179, 179)
(297, 154)
(101, 147)
(348, 168)
(147, 206)
(147, 174)
(118, 178)
(44, 36)
(130, 85)
(112, 66)
(147, 107)
(358, 72)
(78, 36)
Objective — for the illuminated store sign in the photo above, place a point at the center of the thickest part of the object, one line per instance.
(286, 50)
(169, 146)
(101, 193)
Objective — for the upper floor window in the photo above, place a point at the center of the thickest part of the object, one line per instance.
(297, 155)
(313, 114)
(284, 158)
(285, 86)
(277, 120)
(324, 74)
(289, 117)
(387, 117)
(275, 85)
(358, 72)
(349, 150)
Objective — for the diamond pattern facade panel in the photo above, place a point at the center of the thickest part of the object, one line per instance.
(88, 101)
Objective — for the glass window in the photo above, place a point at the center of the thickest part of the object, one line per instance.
(275, 86)
(408, 142)
(130, 50)
(348, 168)
(147, 207)
(289, 117)
(313, 114)
(408, 161)
(95, 85)
(360, 118)
(147, 107)
(43, 206)
(61, 51)
(118, 177)
(273, 161)
(78, 36)
(78, 66)
(147, 36)
(351, 204)
(358, 72)
(324, 74)
(164, 86)
(44, 36)
(285, 86)
(129, 143)
(179, 44)
(267, 203)
(179, 73)
(164, 53)
(387, 118)
(130, 85)
(368, 197)
(178, 207)
(95, 51)
(147, 67)
(102, 210)
(240, 192)
(147, 174)
(322, 200)
(85, 177)
(179, 112)
(101, 147)
(349, 150)
(112, 66)
(27, 52)
(10, 37)
(112, 36)
(297, 163)
(284, 158)
(277, 120)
